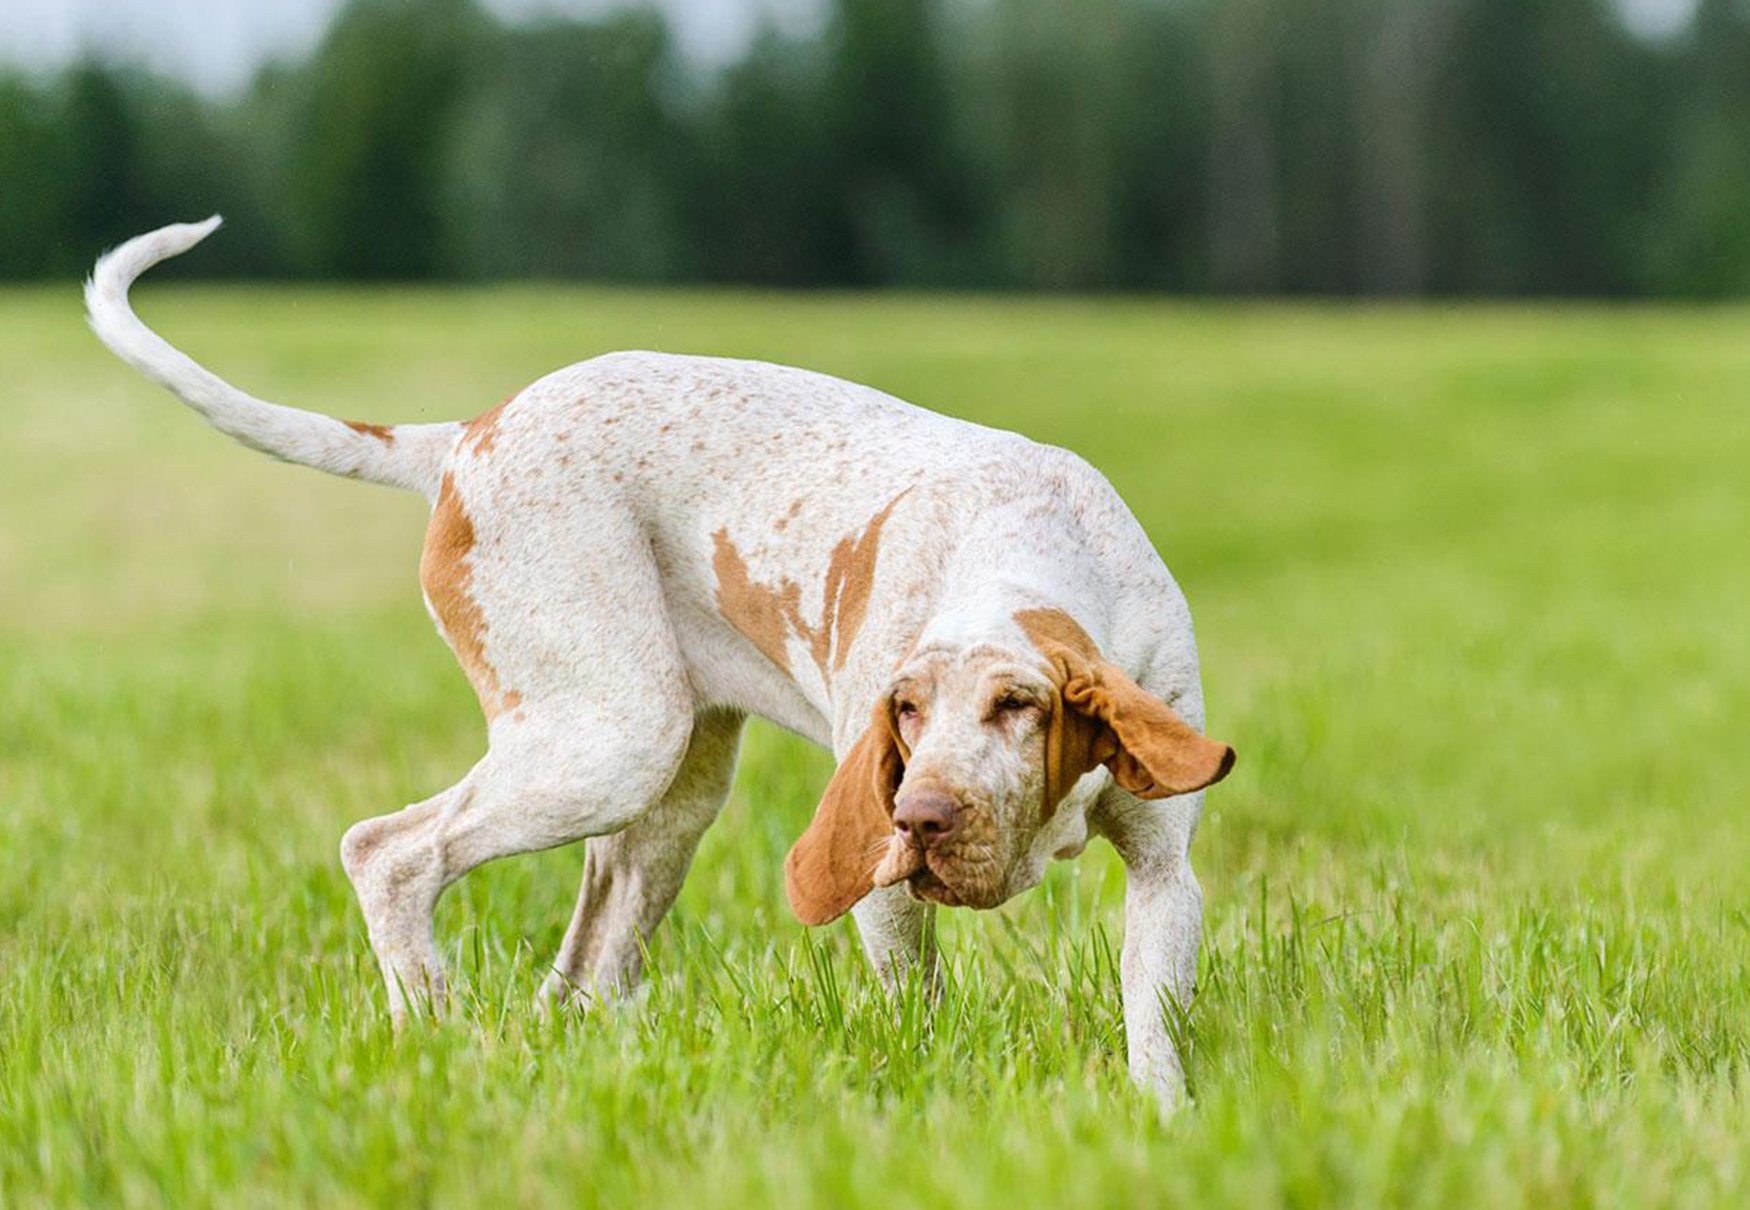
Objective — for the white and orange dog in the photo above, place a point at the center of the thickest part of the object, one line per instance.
(638, 551)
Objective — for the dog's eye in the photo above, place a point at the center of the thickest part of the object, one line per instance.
(905, 709)
(1009, 703)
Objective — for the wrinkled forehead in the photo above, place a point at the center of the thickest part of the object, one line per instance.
(971, 647)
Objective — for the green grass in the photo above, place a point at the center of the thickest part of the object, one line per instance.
(1470, 586)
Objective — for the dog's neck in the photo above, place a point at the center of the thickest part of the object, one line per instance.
(1030, 556)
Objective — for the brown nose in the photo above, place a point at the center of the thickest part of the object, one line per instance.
(926, 819)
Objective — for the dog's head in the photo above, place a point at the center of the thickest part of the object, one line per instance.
(970, 751)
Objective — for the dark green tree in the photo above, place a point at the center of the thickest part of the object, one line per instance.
(101, 161)
(891, 145)
(569, 159)
(365, 161)
(1700, 241)
(1547, 146)
(34, 236)
(761, 198)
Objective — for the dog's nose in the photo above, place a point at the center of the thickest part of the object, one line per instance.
(926, 819)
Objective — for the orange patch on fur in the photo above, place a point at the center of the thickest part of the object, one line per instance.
(850, 578)
(766, 616)
(482, 431)
(447, 577)
(753, 609)
(382, 432)
(1047, 626)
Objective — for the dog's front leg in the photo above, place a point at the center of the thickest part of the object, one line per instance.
(899, 934)
(1163, 927)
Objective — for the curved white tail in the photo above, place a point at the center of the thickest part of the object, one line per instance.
(405, 455)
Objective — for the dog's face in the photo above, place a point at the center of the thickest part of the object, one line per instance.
(971, 727)
(955, 786)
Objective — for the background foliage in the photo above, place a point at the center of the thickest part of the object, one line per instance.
(1494, 147)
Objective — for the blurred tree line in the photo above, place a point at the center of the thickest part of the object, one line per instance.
(1229, 146)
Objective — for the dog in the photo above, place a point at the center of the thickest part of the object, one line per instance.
(636, 552)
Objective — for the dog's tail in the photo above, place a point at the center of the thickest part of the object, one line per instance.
(404, 455)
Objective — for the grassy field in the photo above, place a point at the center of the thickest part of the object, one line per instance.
(1470, 586)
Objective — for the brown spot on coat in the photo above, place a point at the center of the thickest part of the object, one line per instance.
(382, 432)
(766, 616)
(850, 578)
(755, 610)
(446, 574)
(482, 431)
(1047, 627)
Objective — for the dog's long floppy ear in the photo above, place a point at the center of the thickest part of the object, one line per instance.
(1104, 717)
(1159, 754)
(832, 865)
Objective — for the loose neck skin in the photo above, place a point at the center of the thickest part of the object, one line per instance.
(1030, 555)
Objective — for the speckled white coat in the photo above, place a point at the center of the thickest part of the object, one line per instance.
(580, 563)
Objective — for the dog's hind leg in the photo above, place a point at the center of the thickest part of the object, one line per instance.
(631, 878)
(592, 771)
(386, 860)
(555, 610)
